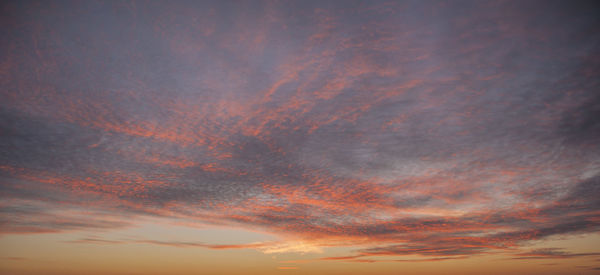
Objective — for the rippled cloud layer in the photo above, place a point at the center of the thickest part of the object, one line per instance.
(433, 129)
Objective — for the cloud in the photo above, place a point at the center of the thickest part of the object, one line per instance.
(265, 247)
(360, 259)
(550, 253)
(171, 243)
(291, 247)
(332, 125)
(23, 217)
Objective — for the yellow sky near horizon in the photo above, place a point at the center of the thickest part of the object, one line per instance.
(119, 252)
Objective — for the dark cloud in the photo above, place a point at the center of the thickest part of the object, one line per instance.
(172, 243)
(46, 222)
(582, 124)
(550, 253)
(421, 250)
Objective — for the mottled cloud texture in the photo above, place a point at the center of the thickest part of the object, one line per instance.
(435, 129)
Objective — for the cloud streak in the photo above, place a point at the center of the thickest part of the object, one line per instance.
(550, 253)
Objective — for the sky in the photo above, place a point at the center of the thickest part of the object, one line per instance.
(294, 137)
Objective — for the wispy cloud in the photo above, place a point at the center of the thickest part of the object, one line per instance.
(550, 253)
(273, 247)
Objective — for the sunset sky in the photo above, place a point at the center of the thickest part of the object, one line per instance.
(299, 137)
